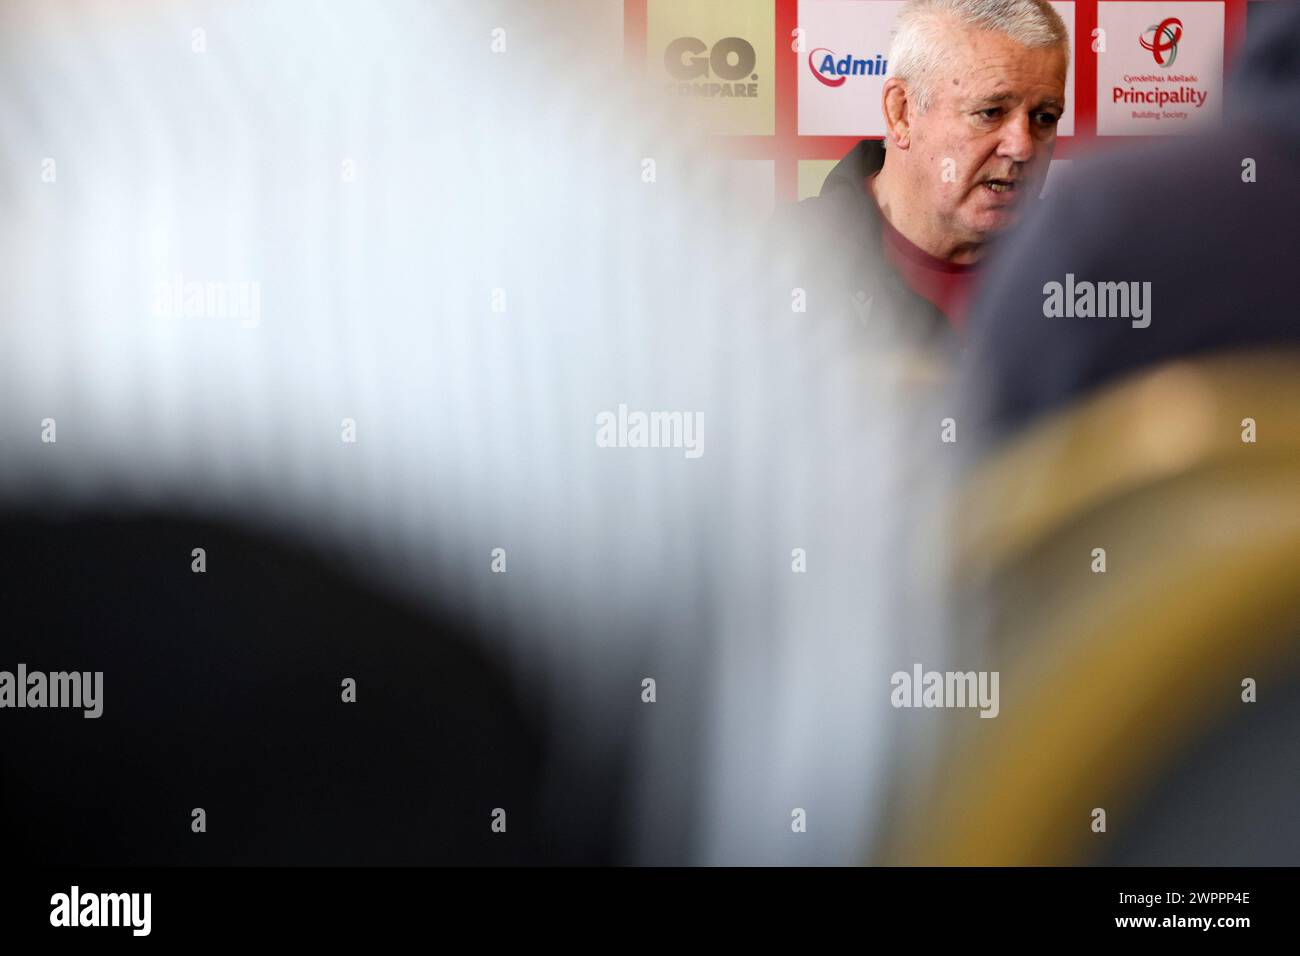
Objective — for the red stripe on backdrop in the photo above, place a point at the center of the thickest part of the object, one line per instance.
(1234, 29)
(634, 30)
(787, 147)
(1085, 75)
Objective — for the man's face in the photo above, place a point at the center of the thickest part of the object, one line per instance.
(993, 112)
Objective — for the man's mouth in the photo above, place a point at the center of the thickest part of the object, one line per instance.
(999, 185)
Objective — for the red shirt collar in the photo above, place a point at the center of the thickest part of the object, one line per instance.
(949, 286)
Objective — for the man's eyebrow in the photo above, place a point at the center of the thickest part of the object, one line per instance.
(998, 97)
(1005, 96)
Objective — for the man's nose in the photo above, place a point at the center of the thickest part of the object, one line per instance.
(1017, 140)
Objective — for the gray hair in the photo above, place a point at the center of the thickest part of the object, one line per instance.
(918, 50)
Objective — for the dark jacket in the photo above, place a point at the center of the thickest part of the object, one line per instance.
(830, 246)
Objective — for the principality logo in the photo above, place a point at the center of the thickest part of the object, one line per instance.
(1164, 39)
(834, 72)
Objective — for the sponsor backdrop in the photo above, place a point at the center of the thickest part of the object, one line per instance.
(788, 86)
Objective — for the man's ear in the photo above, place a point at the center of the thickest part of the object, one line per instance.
(894, 104)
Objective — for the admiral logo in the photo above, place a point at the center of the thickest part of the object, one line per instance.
(835, 72)
(1165, 36)
(731, 60)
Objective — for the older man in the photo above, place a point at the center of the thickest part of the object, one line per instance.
(901, 226)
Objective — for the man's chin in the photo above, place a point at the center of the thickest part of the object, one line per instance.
(990, 222)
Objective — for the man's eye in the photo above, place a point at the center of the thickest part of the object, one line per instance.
(993, 112)
(1048, 119)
